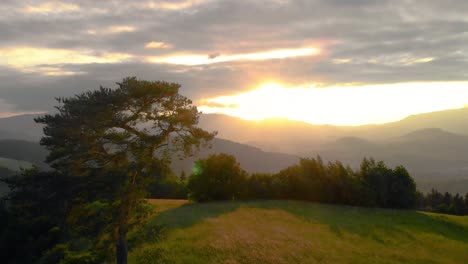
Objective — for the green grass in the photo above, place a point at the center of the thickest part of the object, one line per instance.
(297, 232)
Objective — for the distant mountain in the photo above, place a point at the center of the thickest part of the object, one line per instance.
(20, 127)
(251, 159)
(434, 157)
(433, 146)
(22, 150)
(301, 138)
(280, 135)
(454, 121)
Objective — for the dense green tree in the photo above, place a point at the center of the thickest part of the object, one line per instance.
(260, 186)
(33, 214)
(218, 177)
(117, 141)
(386, 187)
(446, 203)
(402, 189)
(168, 186)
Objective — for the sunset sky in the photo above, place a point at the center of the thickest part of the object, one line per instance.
(342, 62)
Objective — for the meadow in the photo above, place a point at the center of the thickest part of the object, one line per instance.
(295, 232)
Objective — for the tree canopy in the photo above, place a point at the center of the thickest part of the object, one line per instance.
(117, 140)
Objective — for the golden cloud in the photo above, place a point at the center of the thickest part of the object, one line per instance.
(50, 7)
(172, 5)
(157, 45)
(196, 59)
(31, 59)
(120, 29)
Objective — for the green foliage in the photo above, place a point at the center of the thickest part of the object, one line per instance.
(218, 177)
(385, 187)
(447, 203)
(116, 142)
(33, 215)
(168, 186)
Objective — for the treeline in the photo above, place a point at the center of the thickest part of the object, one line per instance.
(219, 177)
(446, 203)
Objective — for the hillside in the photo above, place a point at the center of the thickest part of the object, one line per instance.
(20, 127)
(433, 146)
(300, 137)
(251, 159)
(297, 232)
(22, 150)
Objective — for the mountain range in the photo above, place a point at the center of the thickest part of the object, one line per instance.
(433, 146)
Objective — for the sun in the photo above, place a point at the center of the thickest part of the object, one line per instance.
(348, 105)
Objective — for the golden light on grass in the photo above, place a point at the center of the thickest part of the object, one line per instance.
(197, 59)
(345, 105)
(33, 59)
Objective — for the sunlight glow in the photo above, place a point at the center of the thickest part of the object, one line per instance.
(345, 105)
(196, 59)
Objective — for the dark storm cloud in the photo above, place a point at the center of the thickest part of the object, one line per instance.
(363, 41)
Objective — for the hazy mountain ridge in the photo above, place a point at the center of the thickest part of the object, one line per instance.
(20, 127)
(433, 146)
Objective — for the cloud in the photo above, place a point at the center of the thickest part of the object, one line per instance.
(7, 110)
(32, 59)
(120, 29)
(215, 47)
(172, 5)
(157, 45)
(195, 59)
(50, 7)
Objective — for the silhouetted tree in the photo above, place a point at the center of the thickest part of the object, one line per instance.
(127, 134)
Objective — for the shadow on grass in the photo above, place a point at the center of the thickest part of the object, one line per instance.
(193, 213)
(377, 224)
(182, 216)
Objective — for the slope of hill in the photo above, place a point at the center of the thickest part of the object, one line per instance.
(450, 120)
(250, 158)
(279, 135)
(426, 144)
(4, 172)
(298, 232)
(22, 150)
(20, 127)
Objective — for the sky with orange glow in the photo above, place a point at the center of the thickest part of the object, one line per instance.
(324, 62)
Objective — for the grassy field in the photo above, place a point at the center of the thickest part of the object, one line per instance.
(296, 232)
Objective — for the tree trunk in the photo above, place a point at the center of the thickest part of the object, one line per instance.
(122, 249)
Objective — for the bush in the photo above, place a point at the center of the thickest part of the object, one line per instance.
(218, 177)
